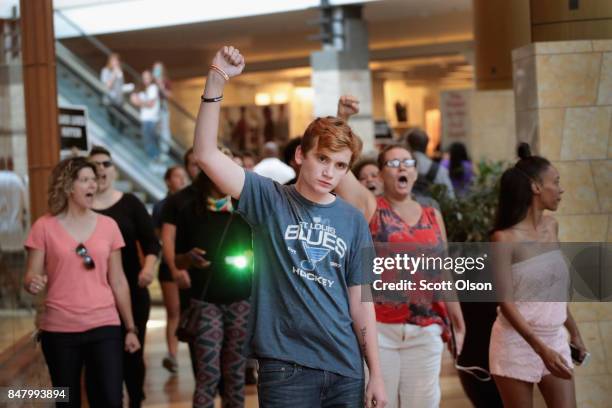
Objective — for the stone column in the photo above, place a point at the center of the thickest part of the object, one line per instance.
(563, 102)
(342, 68)
(564, 109)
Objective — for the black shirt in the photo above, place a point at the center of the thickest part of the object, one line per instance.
(198, 227)
(175, 203)
(136, 227)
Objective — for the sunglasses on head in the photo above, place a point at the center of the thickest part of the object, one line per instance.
(106, 163)
(87, 259)
(395, 163)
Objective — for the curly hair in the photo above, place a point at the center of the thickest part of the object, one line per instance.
(62, 177)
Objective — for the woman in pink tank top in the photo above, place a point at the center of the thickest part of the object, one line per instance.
(529, 344)
(74, 253)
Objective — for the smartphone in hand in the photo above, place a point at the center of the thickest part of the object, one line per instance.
(578, 357)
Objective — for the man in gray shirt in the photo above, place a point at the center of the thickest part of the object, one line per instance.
(417, 141)
(310, 329)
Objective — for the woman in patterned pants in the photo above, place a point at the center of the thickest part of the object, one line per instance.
(214, 245)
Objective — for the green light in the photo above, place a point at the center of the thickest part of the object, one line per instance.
(239, 261)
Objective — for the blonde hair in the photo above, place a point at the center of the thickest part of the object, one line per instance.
(331, 133)
(62, 178)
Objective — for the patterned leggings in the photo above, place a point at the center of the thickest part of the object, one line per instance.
(221, 337)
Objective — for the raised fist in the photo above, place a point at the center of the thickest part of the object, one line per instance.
(347, 106)
(229, 60)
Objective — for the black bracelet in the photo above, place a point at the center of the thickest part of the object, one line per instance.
(208, 100)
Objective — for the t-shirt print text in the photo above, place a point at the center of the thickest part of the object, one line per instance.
(318, 241)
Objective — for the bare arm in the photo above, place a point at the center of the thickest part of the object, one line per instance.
(165, 91)
(353, 192)
(572, 327)
(119, 286)
(168, 237)
(146, 275)
(349, 188)
(223, 171)
(121, 293)
(192, 259)
(364, 325)
(454, 308)
(35, 278)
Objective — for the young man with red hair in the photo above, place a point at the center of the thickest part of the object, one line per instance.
(309, 328)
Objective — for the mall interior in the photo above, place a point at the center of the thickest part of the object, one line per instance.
(487, 73)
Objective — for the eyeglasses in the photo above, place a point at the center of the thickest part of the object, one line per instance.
(106, 163)
(395, 163)
(87, 259)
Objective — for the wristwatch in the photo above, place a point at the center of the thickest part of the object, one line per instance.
(132, 329)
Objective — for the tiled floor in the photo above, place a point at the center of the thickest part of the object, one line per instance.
(14, 324)
(594, 388)
(165, 390)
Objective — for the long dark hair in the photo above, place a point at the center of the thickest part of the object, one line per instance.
(203, 186)
(458, 154)
(515, 194)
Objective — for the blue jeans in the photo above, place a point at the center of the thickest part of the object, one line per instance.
(282, 384)
(150, 139)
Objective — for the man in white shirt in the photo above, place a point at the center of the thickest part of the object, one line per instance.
(12, 232)
(272, 167)
(148, 102)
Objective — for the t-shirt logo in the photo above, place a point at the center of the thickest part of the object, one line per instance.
(318, 239)
(314, 255)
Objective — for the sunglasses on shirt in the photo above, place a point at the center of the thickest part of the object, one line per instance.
(87, 259)
(106, 163)
(395, 163)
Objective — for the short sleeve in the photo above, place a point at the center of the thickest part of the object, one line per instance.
(37, 237)
(359, 269)
(152, 92)
(156, 216)
(144, 227)
(117, 241)
(259, 196)
(183, 237)
(169, 210)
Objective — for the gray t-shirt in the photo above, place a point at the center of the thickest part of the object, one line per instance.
(307, 255)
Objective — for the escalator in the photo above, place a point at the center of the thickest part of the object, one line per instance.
(116, 128)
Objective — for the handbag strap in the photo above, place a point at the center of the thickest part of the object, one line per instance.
(221, 241)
